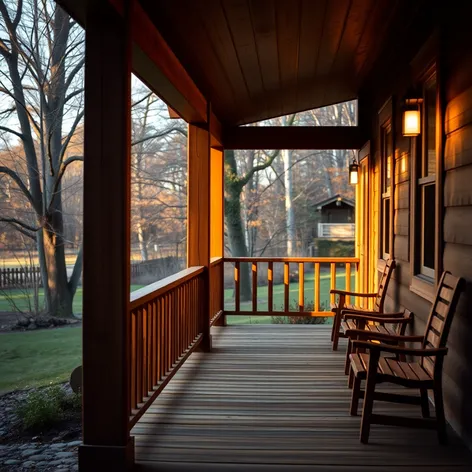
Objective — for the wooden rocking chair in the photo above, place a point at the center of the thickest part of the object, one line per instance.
(423, 375)
(340, 305)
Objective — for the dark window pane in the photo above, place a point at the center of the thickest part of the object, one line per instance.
(386, 226)
(387, 146)
(429, 225)
(430, 138)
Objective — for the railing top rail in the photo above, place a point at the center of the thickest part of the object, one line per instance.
(215, 260)
(338, 224)
(321, 260)
(145, 294)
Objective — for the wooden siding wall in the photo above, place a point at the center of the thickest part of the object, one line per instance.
(456, 254)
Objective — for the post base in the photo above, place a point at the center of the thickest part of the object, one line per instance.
(94, 458)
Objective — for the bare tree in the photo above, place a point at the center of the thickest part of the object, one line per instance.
(41, 96)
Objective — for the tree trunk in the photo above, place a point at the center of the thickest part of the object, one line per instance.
(142, 241)
(289, 211)
(234, 221)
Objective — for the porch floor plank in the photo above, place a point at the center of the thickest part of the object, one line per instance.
(275, 397)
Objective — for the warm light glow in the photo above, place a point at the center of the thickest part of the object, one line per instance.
(411, 123)
(353, 174)
(403, 163)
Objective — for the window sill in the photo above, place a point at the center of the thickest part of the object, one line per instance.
(424, 287)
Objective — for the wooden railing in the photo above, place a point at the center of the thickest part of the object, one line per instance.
(349, 265)
(216, 289)
(165, 327)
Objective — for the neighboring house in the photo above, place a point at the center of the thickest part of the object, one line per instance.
(336, 219)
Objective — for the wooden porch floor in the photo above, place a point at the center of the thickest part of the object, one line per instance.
(273, 398)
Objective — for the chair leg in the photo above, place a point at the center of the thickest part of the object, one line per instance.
(350, 381)
(336, 326)
(347, 362)
(440, 417)
(369, 396)
(424, 403)
(355, 395)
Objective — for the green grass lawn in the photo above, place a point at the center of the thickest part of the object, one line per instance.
(34, 358)
(22, 300)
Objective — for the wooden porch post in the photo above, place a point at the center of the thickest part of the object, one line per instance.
(106, 440)
(217, 218)
(198, 218)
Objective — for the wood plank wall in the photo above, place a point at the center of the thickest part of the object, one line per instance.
(456, 254)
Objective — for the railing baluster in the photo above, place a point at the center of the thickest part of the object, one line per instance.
(333, 280)
(237, 289)
(254, 286)
(348, 281)
(139, 355)
(317, 287)
(155, 355)
(133, 362)
(301, 286)
(270, 286)
(149, 348)
(286, 286)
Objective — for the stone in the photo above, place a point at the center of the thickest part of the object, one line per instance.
(58, 446)
(39, 457)
(12, 462)
(74, 443)
(29, 452)
(62, 455)
(28, 464)
(56, 462)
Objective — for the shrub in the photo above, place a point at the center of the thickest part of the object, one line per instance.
(48, 406)
(294, 319)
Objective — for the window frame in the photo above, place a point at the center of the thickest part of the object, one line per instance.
(385, 126)
(424, 279)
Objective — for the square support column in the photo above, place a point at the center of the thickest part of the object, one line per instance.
(107, 443)
(217, 220)
(198, 218)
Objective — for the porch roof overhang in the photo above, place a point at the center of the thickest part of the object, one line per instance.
(259, 59)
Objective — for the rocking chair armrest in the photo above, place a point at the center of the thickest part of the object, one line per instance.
(352, 294)
(364, 334)
(433, 352)
(390, 318)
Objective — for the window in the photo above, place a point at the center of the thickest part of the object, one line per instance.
(426, 182)
(386, 152)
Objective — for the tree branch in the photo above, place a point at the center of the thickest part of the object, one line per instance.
(160, 135)
(17, 179)
(60, 174)
(9, 130)
(268, 162)
(15, 221)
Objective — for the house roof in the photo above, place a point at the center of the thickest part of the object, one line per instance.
(346, 201)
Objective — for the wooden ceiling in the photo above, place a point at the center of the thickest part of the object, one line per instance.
(257, 59)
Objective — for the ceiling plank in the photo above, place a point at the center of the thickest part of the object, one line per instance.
(238, 18)
(332, 33)
(311, 32)
(294, 137)
(265, 33)
(288, 40)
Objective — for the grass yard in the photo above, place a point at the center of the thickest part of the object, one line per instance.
(35, 358)
(9, 299)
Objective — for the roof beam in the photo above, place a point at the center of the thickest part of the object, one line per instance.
(294, 137)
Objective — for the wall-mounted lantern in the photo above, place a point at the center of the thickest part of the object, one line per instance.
(354, 172)
(412, 117)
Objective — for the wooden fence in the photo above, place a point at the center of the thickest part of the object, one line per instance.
(20, 277)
